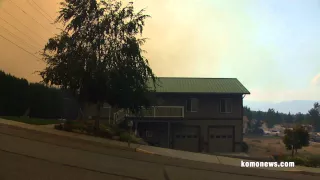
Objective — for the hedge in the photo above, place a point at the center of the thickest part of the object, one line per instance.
(17, 96)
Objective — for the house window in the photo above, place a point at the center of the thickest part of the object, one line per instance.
(225, 105)
(192, 105)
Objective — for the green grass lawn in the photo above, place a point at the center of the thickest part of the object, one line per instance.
(35, 121)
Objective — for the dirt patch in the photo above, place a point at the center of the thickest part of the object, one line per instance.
(267, 146)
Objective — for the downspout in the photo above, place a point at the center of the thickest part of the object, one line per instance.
(242, 133)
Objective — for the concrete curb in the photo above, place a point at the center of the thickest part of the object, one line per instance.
(144, 151)
(290, 171)
(132, 149)
(72, 135)
(305, 173)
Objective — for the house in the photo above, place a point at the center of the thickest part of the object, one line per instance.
(308, 127)
(264, 126)
(278, 128)
(245, 124)
(192, 114)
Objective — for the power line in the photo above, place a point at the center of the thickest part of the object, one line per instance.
(19, 30)
(23, 24)
(19, 47)
(12, 34)
(45, 13)
(29, 15)
(40, 11)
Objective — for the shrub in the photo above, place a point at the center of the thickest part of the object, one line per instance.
(313, 161)
(309, 161)
(80, 126)
(295, 139)
(244, 147)
(58, 126)
(125, 136)
(118, 130)
(106, 131)
(68, 125)
(297, 160)
(89, 127)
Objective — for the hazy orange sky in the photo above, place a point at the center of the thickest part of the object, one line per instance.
(270, 46)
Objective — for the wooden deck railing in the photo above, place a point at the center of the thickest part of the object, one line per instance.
(162, 111)
(154, 111)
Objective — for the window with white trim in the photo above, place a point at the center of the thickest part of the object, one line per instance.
(226, 105)
(192, 105)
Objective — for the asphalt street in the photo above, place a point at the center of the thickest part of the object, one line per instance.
(26, 154)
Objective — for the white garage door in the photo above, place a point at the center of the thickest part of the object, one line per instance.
(220, 139)
(186, 138)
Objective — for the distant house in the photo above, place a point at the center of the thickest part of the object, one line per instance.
(308, 127)
(245, 124)
(191, 114)
(289, 125)
(264, 126)
(278, 129)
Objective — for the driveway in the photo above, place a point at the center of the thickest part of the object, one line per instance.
(26, 154)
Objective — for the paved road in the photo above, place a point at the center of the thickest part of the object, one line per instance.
(26, 154)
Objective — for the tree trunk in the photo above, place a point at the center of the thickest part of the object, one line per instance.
(97, 119)
(292, 151)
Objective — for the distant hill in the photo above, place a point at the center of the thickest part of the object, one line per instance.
(293, 107)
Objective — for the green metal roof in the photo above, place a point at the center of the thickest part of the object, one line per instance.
(200, 85)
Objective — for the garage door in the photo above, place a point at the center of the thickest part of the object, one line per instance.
(220, 139)
(186, 138)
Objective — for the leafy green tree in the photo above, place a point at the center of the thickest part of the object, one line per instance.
(288, 118)
(271, 118)
(295, 139)
(45, 102)
(98, 55)
(14, 95)
(247, 112)
(299, 118)
(278, 117)
(314, 116)
(259, 115)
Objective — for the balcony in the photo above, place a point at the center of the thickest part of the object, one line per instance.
(162, 111)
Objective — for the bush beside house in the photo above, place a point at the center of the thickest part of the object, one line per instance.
(300, 160)
(105, 131)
